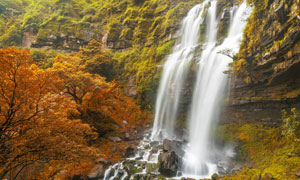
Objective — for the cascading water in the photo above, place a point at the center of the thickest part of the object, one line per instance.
(200, 154)
(174, 74)
(208, 93)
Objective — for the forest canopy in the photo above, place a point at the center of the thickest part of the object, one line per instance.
(49, 118)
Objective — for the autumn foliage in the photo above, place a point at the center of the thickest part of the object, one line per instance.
(50, 119)
(34, 128)
(101, 104)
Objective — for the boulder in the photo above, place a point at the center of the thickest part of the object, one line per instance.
(168, 163)
(170, 158)
(130, 152)
(175, 146)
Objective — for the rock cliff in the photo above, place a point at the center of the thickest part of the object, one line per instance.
(266, 72)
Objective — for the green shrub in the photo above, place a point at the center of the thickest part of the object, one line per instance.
(43, 58)
(291, 123)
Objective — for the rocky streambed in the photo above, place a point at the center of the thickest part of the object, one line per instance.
(159, 160)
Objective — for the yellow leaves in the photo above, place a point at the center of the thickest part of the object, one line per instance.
(239, 65)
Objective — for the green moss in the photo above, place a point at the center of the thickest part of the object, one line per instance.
(114, 31)
(265, 149)
(202, 32)
(147, 12)
(143, 28)
(164, 49)
(151, 168)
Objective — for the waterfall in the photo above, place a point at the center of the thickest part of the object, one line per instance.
(208, 94)
(209, 86)
(174, 74)
(201, 157)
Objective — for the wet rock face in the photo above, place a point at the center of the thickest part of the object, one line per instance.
(176, 146)
(168, 164)
(272, 79)
(223, 25)
(169, 160)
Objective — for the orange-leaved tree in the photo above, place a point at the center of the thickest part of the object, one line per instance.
(81, 86)
(100, 103)
(37, 139)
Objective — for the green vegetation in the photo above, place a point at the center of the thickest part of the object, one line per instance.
(291, 126)
(96, 61)
(139, 33)
(269, 28)
(87, 19)
(264, 152)
(43, 58)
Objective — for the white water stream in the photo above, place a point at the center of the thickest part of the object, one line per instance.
(175, 71)
(201, 155)
(209, 92)
(209, 88)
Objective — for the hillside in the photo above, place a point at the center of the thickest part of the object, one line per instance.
(83, 81)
